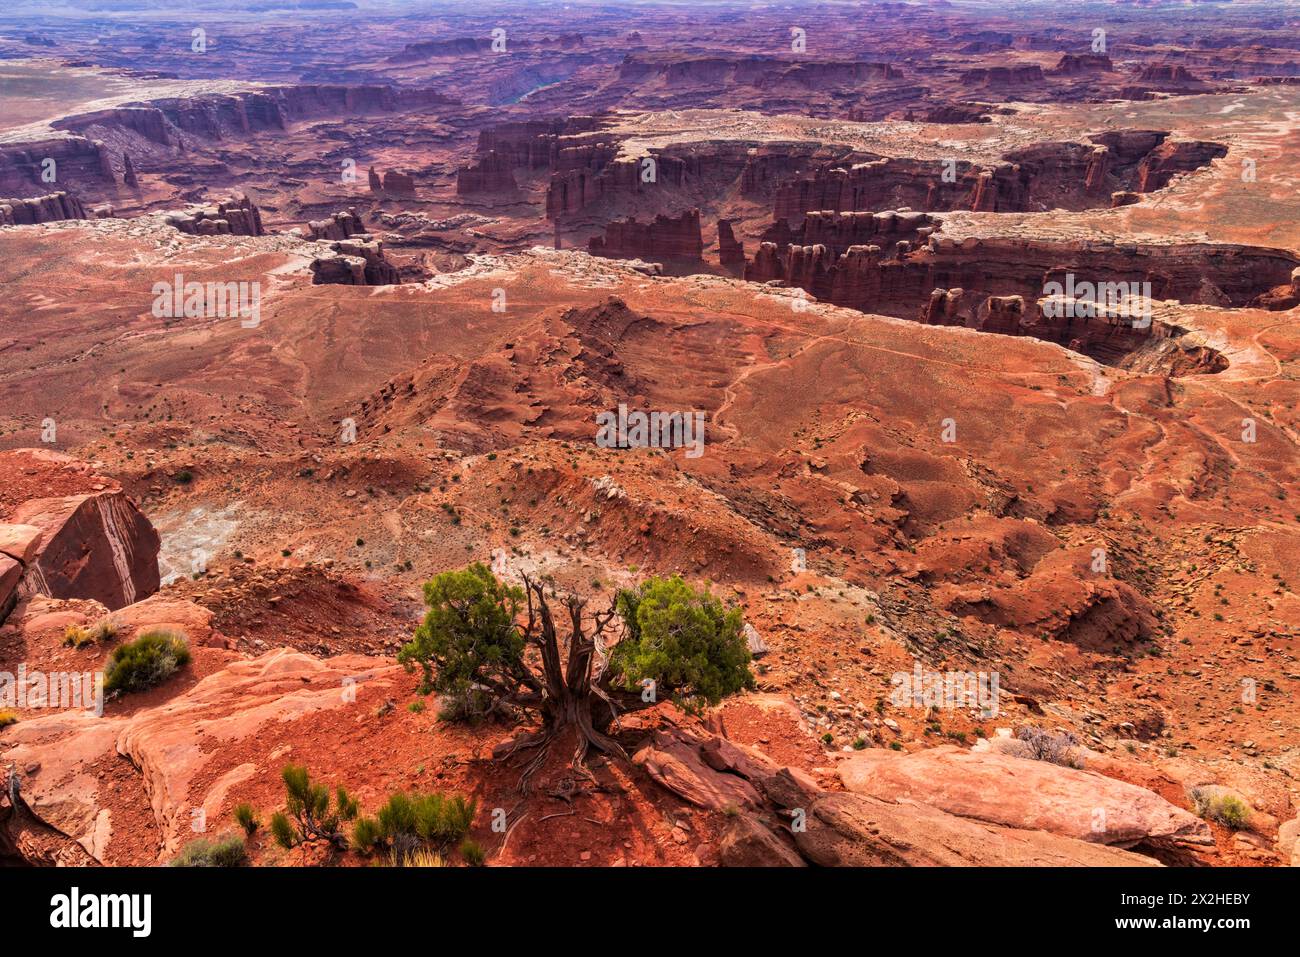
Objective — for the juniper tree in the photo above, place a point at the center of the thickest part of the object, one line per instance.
(493, 647)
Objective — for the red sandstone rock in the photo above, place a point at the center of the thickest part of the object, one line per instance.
(343, 225)
(40, 209)
(731, 253)
(665, 237)
(1022, 793)
(359, 261)
(853, 830)
(1072, 64)
(236, 217)
(399, 184)
(93, 546)
(491, 174)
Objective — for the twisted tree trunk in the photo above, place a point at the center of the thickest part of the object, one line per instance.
(572, 694)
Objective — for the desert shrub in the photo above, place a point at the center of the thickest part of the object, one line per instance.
(472, 852)
(76, 636)
(146, 662)
(309, 814)
(365, 832)
(407, 823)
(1227, 809)
(683, 640)
(8, 716)
(468, 639)
(246, 818)
(282, 831)
(1053, 747)
(225, 851)
(419, 857)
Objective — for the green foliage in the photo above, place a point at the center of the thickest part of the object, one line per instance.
(473, 853)
(246, 818)
(146, 662)
(283, 831)
(310, 815)
(226, 851)
(683, 640)
(365, 833)
(407, 823)
(468, 638)
(1227, 809)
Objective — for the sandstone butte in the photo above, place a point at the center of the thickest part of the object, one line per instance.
(995, 352)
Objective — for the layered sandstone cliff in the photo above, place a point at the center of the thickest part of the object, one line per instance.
(664, 237)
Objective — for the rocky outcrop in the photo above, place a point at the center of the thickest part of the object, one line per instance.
(1055, 175)
(1026, 794)
(899, 281)
(852, 830)
(223, 115)
(782, 817)
(76, 162)
(1074, 64)
(1281, 297)
(358, 261)
(97, 545)
(232, 217)
(998, 76)
(11, 574)
(148, 122)
(343, 225)
(532, 144)
(731, 253)
(1171, 158)
(664, 237)
(1169, 74)
(129, 178)
(764, 72)
(394, 183)
(227, 707)
(40, 209)
(493, 173)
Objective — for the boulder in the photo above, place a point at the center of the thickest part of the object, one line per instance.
(853, 830)
(748, 843)
(96, 546)
(1288, 847)
(11, 573)
(19, 542)
(673, 760)
(1017, 792)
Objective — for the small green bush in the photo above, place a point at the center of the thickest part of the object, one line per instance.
(473, 853)
(308, 814)
(683, 640)
(226, 851)
(282, 830)
(364, 834)
(1227, 809)
(146, 662)
(407, 823)
(246, 818)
